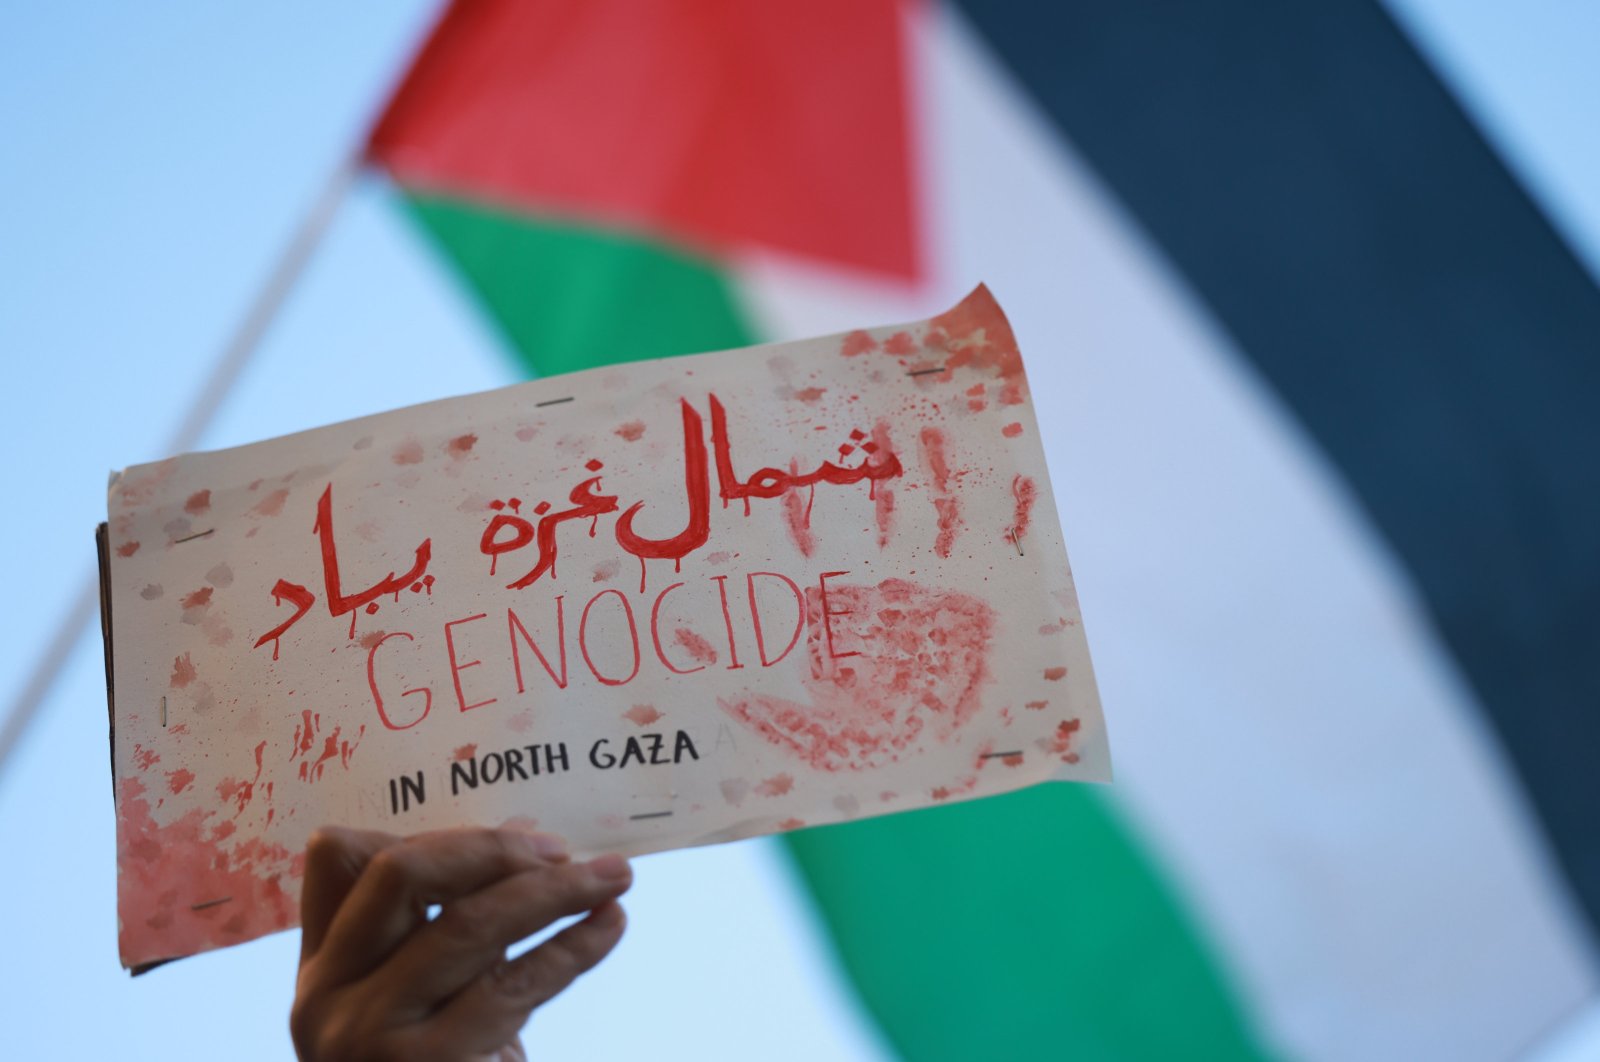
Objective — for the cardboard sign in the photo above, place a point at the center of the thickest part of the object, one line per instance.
(665, 604)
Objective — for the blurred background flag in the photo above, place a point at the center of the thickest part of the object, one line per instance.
(1317, 382)
(600, 173)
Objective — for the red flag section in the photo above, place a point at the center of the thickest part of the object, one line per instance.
(721, 125)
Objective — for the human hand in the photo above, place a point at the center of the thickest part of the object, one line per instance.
(379, 980)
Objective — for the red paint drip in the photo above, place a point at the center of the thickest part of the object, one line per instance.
(1012, 430)
(946, 505)
(198, 502)
(461, 445)
(464, 753)
(882, 495)
(797, 515)
(1055, 674)
(127, 549)
(1024, 491)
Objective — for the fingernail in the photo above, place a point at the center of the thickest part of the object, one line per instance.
(610, 868)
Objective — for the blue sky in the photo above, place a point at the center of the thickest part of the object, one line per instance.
(156, 158)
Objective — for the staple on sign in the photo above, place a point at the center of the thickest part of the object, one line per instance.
(651, 815)
(191, 538)
(1017, 542)
(924, 372)
(163, 711)
(1001, 755)
(552, 402)
(209, 903)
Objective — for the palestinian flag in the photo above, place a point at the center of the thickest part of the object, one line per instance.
(1318, 384)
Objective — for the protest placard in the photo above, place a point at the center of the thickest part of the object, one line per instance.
(672, 603)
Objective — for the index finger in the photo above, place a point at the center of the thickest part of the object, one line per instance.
(391, 896)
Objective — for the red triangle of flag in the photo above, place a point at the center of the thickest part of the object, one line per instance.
(720, 124)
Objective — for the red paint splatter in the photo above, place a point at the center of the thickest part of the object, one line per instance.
(776, 786)
(461, 445)
(144, 758)
(166, 871)
(182, 672)
(407, 453)
(905, 666)
(641, 714)
(1037, 706)
(305, 733)
(631, 431)
(606, 570)
(199, 599)
(791, 824)
(272, 504)
(1012, 430)
(371, 640)
(810, 394)
(857, 342)
(961, 788)
(241, 793)
(179, 780)
(198, 502)
(1055, 674)
(1060, 743)
(1024, 491)
(1056, 627)
(464, 753)
(127, 549)
(526, 434)
(697, 646)
(900, 344)
(977, 334)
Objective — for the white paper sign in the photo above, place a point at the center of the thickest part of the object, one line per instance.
(666, 604)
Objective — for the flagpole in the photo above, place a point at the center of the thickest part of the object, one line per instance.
(202, 411)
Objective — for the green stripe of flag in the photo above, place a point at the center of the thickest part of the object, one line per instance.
(1025, 926)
